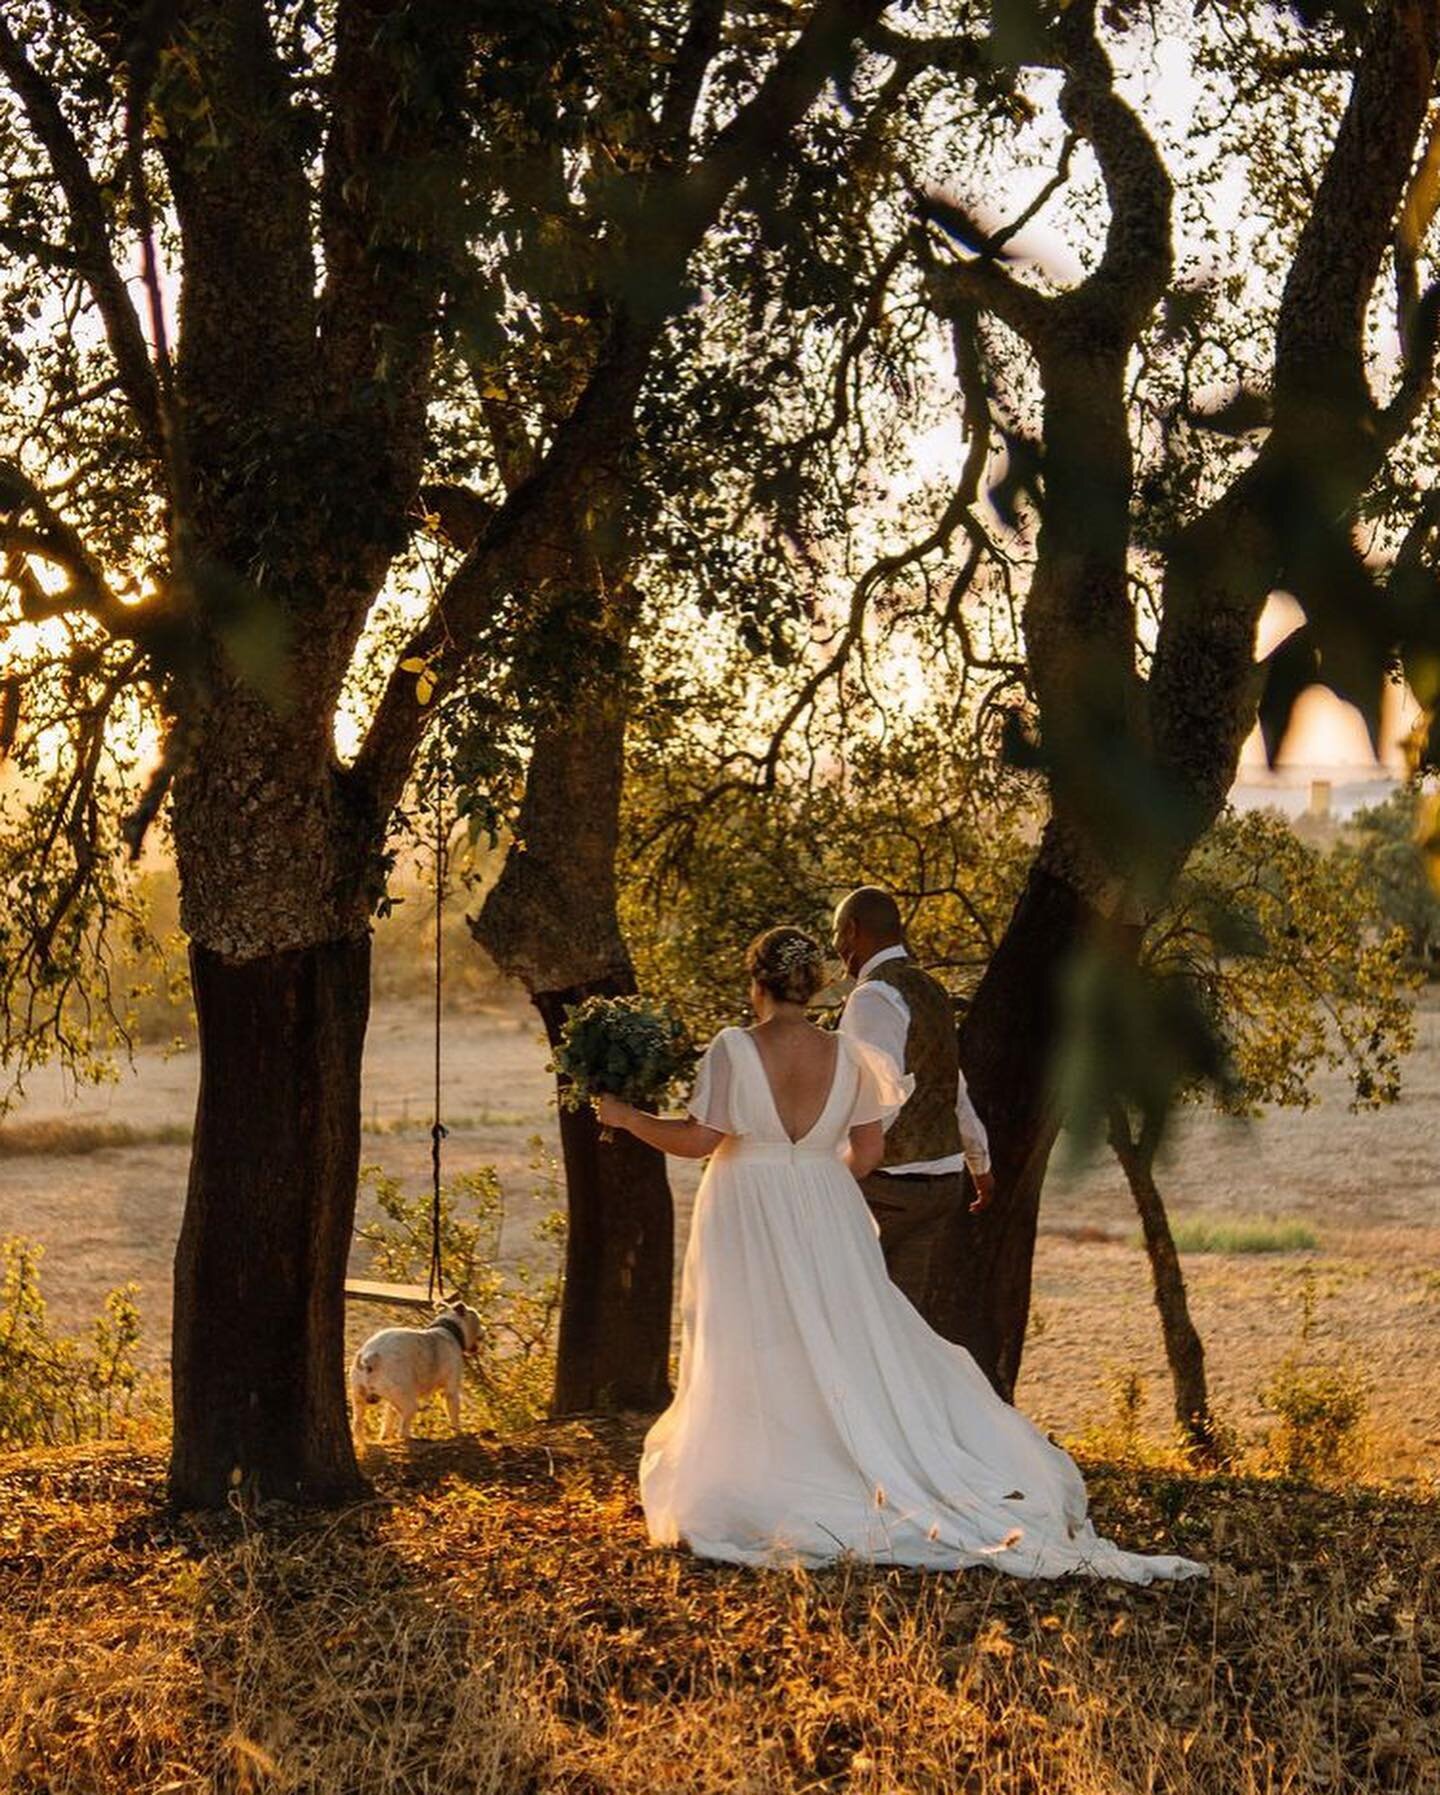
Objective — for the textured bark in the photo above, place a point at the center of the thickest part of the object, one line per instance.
(271, 857)
(1183, 1348)
(259, 1386)
(551, 921)
(1080, 644)
(614, 1344)
(303, 427)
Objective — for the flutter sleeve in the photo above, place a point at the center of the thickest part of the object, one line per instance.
(712, 1101)
(882, 1089)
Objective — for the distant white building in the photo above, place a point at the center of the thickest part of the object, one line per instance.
(1336, 793)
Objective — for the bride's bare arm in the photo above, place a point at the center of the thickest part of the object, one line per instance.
(865, 1149)
(681, 1137)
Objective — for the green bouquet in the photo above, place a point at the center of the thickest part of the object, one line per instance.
(625, 1047)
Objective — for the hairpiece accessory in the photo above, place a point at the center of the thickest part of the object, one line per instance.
(794, 952)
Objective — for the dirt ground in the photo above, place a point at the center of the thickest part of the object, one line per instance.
(1368, 1186)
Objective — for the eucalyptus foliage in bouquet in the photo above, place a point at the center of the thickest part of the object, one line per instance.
(627, 1047)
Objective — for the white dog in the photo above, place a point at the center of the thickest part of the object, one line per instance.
(400, 1366)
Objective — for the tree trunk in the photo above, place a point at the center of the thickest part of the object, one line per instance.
(614, 1349)
(258, 1355)
(1007, 1040)
(551, 921)
(1183, 1348)
(1079, 627)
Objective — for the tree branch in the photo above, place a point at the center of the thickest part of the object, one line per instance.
(37, 249)
(676, 213)
(957, 288)
(998, 239)
(388, 202)
(952, 54)
(1135, 266)
(52, 540)
(1119, 295)
(883, 569)
(1327, 441)
(91, 235)
(1319, 349)
(697, 49)
(1417, 317)
(532, 537)
(1416, 216)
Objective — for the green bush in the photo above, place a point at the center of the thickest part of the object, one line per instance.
(55, 1390)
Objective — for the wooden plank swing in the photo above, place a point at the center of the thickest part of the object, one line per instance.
(431, 1293)
(394, 1296)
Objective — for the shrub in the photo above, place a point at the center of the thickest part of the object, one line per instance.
(1119, 1436)
(55, 1390)
(1319, 1410)
(1319, 1406)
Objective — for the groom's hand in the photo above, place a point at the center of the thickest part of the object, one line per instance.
(984, 1183)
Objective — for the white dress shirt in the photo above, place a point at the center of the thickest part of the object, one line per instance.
(876, 1013)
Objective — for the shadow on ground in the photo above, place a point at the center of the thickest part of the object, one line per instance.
(493, 1619)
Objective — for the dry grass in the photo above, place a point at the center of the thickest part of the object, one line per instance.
(495, 1622)
(56, 1136)
(418, 1125)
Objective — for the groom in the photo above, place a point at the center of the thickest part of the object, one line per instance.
(900, 1009)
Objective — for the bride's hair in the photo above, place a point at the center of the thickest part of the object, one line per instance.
(787, 963)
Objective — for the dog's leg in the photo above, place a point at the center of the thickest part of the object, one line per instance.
(357, 1414)
(407, 1421)
(452, 1402)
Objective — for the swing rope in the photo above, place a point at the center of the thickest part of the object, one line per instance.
(438, 1130)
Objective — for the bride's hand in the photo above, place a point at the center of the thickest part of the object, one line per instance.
(612, 1112)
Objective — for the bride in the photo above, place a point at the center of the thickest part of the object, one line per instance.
(816, 1414)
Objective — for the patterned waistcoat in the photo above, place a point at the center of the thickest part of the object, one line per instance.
(926, 1127)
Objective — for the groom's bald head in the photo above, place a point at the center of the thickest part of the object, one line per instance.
(865, 922)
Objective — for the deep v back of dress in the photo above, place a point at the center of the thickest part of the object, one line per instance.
(800, 1094)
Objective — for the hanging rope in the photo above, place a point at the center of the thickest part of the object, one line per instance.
(438, 1130)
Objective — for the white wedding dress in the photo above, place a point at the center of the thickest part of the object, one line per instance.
(816, 1414)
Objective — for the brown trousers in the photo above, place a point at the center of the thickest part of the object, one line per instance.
(914, 1214)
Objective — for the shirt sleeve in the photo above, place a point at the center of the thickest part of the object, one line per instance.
(712, 1099)
(876, 1015)
(881, 1090)
(973, 1137)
